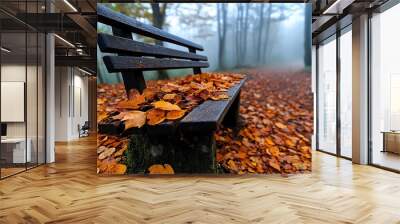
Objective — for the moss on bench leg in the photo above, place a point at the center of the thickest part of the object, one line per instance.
(185, 153)
(196, 154)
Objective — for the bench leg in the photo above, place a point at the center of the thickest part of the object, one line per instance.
(198, 153)
(232, 116)
(133, 81)
(186, 154)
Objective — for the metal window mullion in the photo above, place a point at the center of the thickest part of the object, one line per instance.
(338, 95)
(37, 91)
(26, 87)
(369, 91)
(317, 97)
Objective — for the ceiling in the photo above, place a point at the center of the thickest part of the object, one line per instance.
(329, 15)
(74, 22)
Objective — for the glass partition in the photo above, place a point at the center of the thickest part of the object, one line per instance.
(327, 96)
(22, 87)
(13, 94)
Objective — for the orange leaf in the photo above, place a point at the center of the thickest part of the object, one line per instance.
(155, 116)
(164, 105)
(242, 155)
(274, 150)
(274, 164)
(121, 151)
(169, 96)
(219, 96)
(280, 125)
(119, 169)
(161, 169)
(134, 119)
(101, 116)
(149, 93)
(232, 165)
(106, 153)
(175, 114)
(128, 105)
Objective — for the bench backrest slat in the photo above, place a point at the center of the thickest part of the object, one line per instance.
(110, 17)
(113, 44)
(130, 63)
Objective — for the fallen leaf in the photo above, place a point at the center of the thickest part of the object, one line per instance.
(119, 169)
(161, 169)
(274, 164)
(150, 93)
(169, 96)
(155, 116)
(280, 125)
(164, 105)
(106, 153)
(175, 114)
(135, 119)
(219, 96)
(121, 151)
(129, 104)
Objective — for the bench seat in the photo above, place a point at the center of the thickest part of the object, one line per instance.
(204, 118)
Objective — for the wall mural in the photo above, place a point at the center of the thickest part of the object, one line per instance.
(236, 97)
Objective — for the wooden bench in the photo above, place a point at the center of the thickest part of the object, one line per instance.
(190, 140)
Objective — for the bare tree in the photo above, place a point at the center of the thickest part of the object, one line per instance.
(158, 16)
(222, 27)
(307, 36)
(238, 30)
(244, 33)
(260, 32)
(264, 45)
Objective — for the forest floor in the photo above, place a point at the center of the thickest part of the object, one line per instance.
(275, 125)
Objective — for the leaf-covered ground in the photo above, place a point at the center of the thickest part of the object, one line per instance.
(276, 125)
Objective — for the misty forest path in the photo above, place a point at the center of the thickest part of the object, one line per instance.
(276, 125)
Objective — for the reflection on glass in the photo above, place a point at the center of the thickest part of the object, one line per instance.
(31, 97)
(346, 94)
(386, 89)
(327, 97)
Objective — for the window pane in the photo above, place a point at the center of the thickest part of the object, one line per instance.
(346, 94)
(327, 97)
(386, 89)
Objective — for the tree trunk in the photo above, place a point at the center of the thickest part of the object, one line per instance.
(260, 31)
(267, 34)
(244, 33)
(307, 36)
(159, 10)
(238, 34)
(222, 26)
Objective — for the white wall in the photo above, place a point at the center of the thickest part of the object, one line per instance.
(71, 102)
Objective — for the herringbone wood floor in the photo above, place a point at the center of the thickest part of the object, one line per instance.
(69, 191)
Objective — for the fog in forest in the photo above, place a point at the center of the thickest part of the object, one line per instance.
(234, 35)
